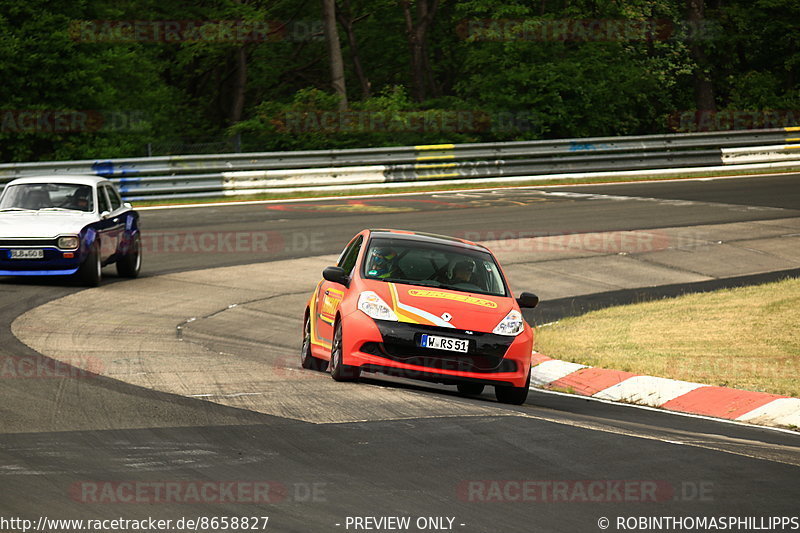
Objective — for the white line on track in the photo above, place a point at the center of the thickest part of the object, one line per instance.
(599, 426)
(228, 395)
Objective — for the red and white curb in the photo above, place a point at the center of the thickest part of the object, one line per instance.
(681, 396)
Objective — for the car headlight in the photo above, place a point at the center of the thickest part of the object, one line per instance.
(68, 243)
(511, 325)
(372, 305)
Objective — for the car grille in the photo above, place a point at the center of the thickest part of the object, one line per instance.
(34, 243)
(401, 343)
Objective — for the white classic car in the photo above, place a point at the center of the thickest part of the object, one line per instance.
(64, 225)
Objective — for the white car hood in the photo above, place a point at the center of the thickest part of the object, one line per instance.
(47, 224)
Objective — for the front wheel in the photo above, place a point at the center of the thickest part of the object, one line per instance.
(339, 370)
(91, 271)
(130, 264)
(513, 395)
(306, 359)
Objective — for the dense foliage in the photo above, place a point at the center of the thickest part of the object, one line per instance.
(103, 78)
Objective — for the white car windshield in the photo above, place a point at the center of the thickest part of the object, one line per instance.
(47, 196)
(433, 265)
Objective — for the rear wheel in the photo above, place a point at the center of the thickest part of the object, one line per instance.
(306, 359)
(471, 389)
(91, 271)
(513, 395)
(339, 370)
(129, 265)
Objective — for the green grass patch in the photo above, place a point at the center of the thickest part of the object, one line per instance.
(441, 186)
(746, 338)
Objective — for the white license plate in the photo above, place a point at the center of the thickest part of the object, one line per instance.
(26, 254)
(444, 343)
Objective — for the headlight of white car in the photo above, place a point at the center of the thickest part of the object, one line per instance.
(372, 305)
(68, 243)
(511, 325)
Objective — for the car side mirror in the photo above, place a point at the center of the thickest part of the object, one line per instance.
(127, 205)
(528, 299)
(105, 214)
(336, 274)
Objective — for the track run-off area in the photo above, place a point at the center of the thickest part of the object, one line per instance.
(189, 376)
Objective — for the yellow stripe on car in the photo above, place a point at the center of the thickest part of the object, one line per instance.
(312, 313)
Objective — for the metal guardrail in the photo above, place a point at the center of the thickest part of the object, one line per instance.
(247, 173)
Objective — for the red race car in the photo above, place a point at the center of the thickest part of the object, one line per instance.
(420, 306)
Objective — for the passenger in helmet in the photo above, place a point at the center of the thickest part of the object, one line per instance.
(81, 199)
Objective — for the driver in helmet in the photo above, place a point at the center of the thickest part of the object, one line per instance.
(462, 272)
(80, 199)
(382, 262)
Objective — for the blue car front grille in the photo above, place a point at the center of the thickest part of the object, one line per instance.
(28, 243)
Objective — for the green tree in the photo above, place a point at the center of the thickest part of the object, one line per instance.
(47, 69)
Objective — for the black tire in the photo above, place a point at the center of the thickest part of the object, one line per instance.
(471, 389)
(339, 370)
(91, 271)
(513, 395)
(130, 264)
(306, 359)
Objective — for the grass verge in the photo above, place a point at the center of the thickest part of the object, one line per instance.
(746, 338)
(444, 186)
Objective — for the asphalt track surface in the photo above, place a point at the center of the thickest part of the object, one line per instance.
(59, 436)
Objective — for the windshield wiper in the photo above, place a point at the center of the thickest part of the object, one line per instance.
(436, 285)
(424, 283)
(476, 290)
(421, 283)
(389, 280)
(56, 209)
(13, 209)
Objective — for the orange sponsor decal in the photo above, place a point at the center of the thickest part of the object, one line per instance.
(330, 303)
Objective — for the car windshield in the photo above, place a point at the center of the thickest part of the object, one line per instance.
(433, 265)
(48, 196)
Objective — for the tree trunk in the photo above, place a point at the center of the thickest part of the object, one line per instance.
(417, 33)
(703, 86)
(345, 18)
(334, 52)
(239, 86)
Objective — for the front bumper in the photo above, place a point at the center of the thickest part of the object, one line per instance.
(54, 263)
(393, 348)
